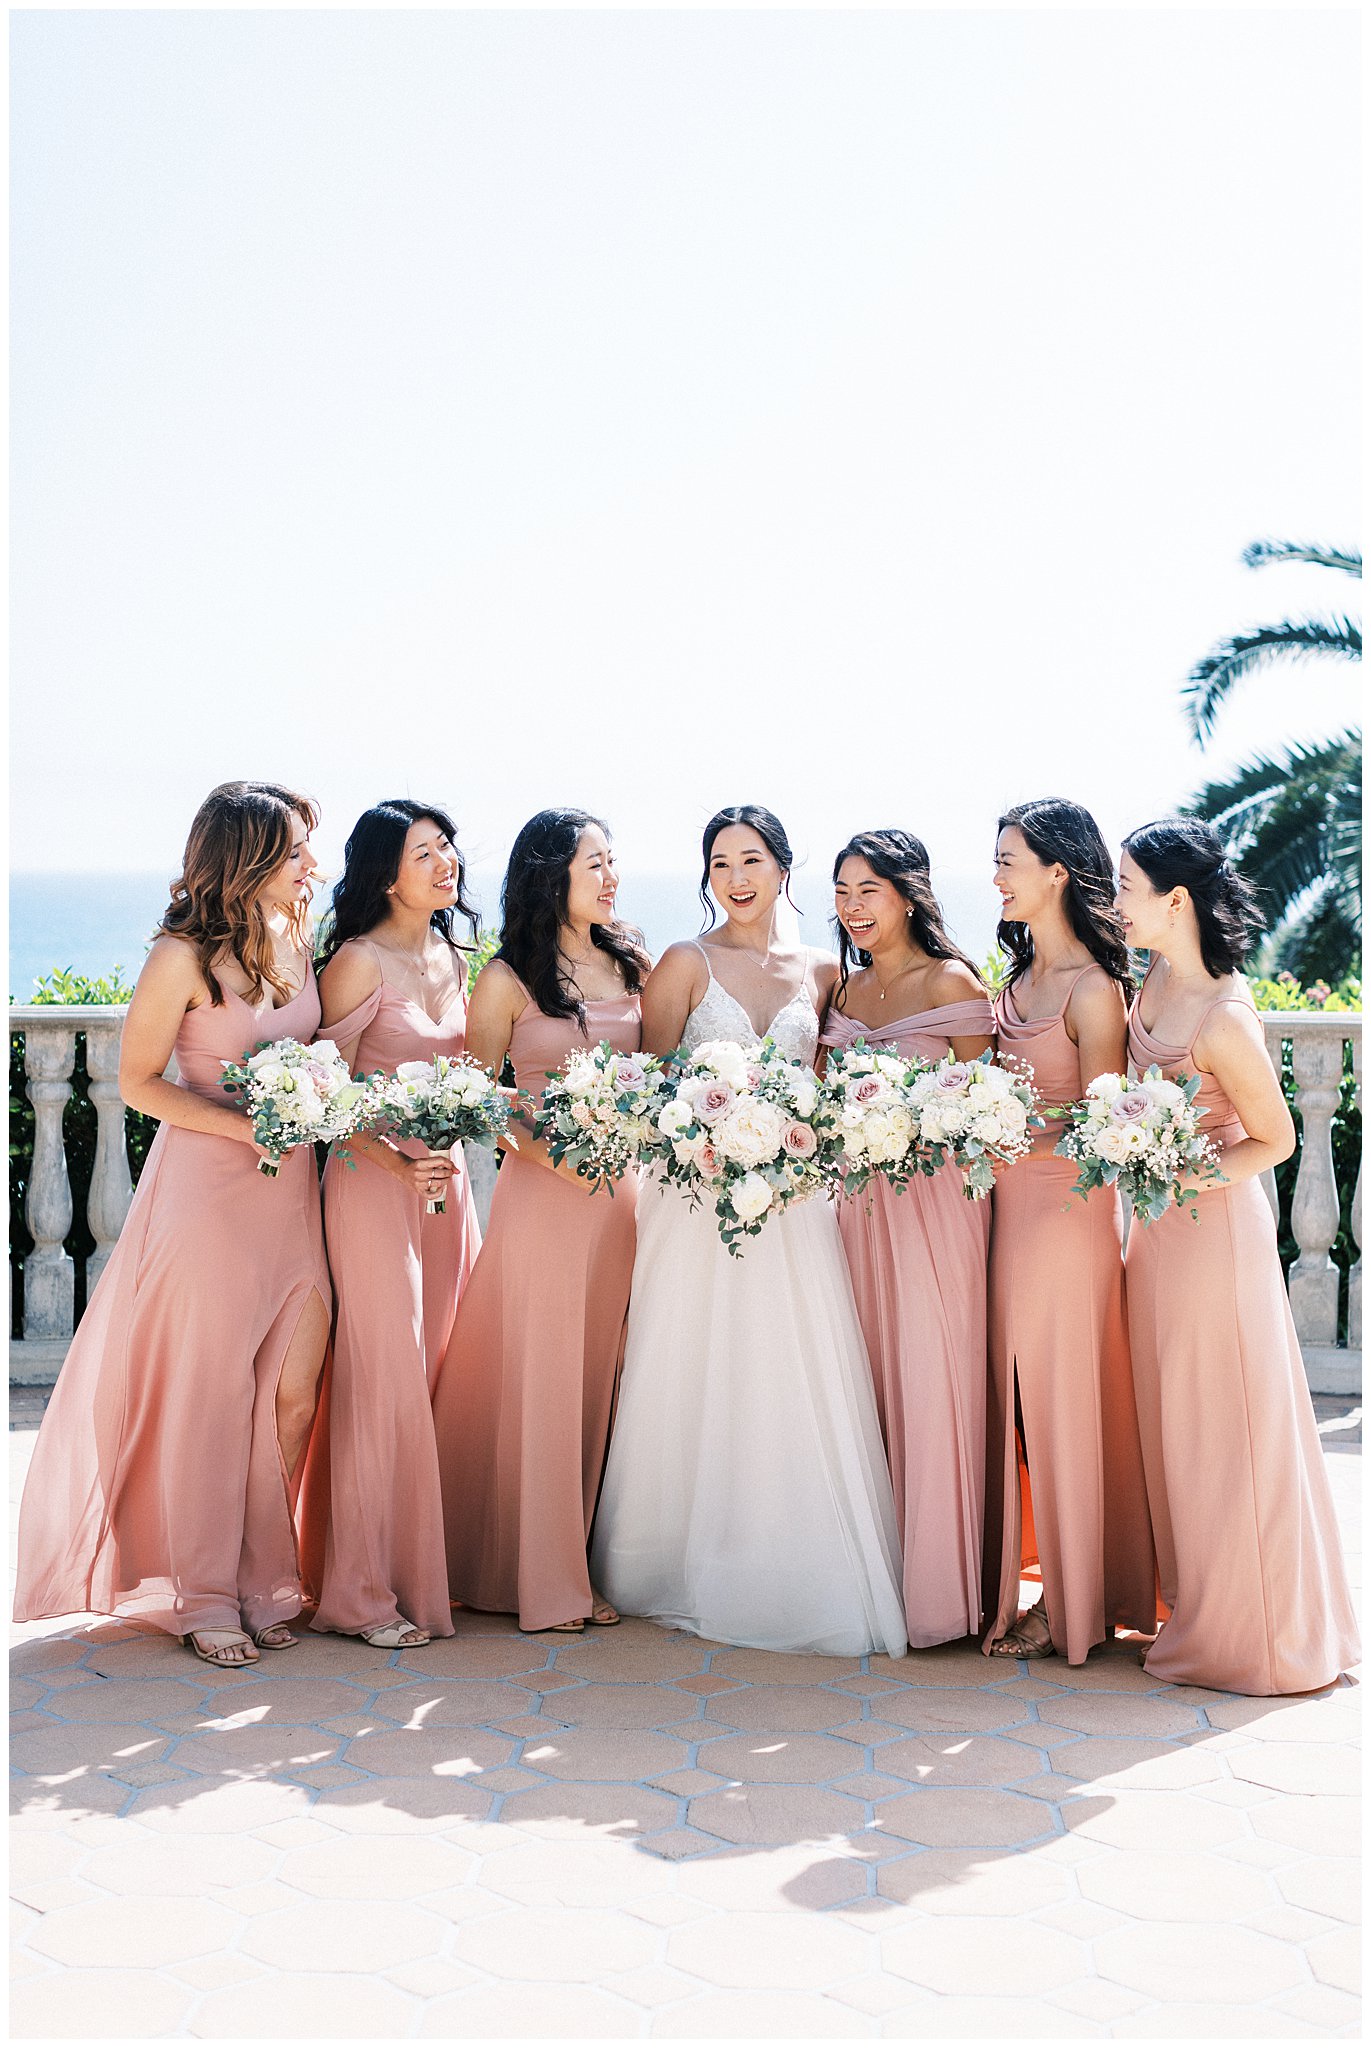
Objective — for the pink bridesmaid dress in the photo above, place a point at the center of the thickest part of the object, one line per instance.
(371, 1503)
(523, 1403)
(918, 1266)
(157, 1489)
(1059, 1369)
(1247, 1540)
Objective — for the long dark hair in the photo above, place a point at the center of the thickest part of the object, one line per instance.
(1186, 853)
(769, 830)
(1058, 830)
(533, 904)
(902, 860)
(371, 861)
(238, 838)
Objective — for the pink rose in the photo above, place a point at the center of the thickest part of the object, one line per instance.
(631, 1076)
(798, 1141)
(1130, 1108)
(713, 1101)
(754, 1077)
(868, 1089)
(708, 1162)
(955, 1076)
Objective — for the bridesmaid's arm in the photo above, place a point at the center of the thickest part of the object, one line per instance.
(1232, 1048)
(676, 984)
(353, 974)
(496, 1002)
(1097, 1022)
(170, 984)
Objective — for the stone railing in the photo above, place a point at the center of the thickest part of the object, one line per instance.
(49, 1034)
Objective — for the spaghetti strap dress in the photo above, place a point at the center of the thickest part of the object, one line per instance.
(157, 1489)
(371, 1509)
(1247, 1538)
(918, 1265)
(1060, 1381)
(523, 1402)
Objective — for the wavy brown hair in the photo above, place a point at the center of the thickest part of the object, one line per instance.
(902, 860)
(238, 838)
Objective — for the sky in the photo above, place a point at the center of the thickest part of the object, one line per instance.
(858, 413)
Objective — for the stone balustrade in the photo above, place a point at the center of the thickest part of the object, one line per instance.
(49, 1033)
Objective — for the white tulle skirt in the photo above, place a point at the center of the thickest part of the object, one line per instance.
(747, 1497)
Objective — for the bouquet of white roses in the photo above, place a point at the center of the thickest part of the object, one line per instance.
(440, 1102)
(296, 1095)
(597, 1114)
(973, 1113)
(865, 1122)
(1143, 1137)
(738, 1128)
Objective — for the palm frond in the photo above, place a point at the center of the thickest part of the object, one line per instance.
(1213, 677)
(1320, 939)
(1227, 803)
(1261, 553)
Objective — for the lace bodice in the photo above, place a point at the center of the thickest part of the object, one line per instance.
(794, 1029)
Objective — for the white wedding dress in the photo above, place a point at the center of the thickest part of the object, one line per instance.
(747, 1496)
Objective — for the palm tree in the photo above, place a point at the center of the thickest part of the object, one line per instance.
(1293, 820)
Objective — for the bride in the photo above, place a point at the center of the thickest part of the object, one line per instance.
(746, 1496)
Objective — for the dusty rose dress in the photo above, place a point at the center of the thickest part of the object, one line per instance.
(157, 1488)
(371, 1504)
(918, 1266)
(1247, 1540)
(1059, 1349)
(523, 1402)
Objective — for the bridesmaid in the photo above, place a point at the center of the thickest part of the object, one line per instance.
(1059, 1369)
(159, 1483)
(394, 989)
(918, 1258)
(522, 1407)
(1251, 1565)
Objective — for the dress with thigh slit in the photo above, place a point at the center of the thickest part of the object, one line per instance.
(157, 1489)
(1061, 1386)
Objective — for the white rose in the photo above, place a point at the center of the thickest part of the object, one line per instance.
(270, 1075)
(804, 1094)
(1165, 1094)
(580, 1075)
(1107, 1087)
(750, 1197)
(414, 1070)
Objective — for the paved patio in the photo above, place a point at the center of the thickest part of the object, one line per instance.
(640, 1835)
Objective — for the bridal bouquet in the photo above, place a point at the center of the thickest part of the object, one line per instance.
(1142, 1137)
(296, 1095)
(598, 1113)
(974, 1114)
(738, 1129)
(439, 1102)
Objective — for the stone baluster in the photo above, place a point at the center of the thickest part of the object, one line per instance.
(111, 1188)
(1314, 1211)
(1272, 1033)
(49, 1056)
(1354, 1277)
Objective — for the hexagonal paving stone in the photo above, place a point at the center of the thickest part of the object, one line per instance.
(366, 1936)
(943, 1881)
(184, 1866)
(772, 1880)
(1139, 1765)
(994, 2019)
(779, 1667)
(126, 1701)
(1329, 1826)
(964, 1816)
(1302, 1768)
(759, 2016)
(963, 1956)
(768, 1950)
(46, 1654)
(570, 2012)
(380, 1806)
(604, 1754)
(279, 1702)
(454, 1704)
(1192, 1886)
(97, 2005)
(1336, 1959)
(760, 1708)
(1112, 1715)
(133, 1933)
(376, 1867)
(1331, 1716)
(633, 1658)
(593, 1871)
(1329, 1885)
(571, 1810)
(565, 1946)
(466, 1656)
(57, 1748)
(1226, 1965)
(258, 1749)
(960, 1709)
(776, 1813)
(777, 1759)
(218, 1807)
(308, 2007)
(616, 1706)
(935, 1760)
(438, 1751)
(1152, 1820)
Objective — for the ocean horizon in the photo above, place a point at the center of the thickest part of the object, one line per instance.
(92, 923)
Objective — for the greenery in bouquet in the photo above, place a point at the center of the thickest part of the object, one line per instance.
(1143, 1137)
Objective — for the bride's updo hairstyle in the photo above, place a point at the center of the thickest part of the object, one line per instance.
(768, 829)
(240, 836)
(1186, 853)
(533, 905)
(371, 861)
(1058, 830)
(902, 860)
